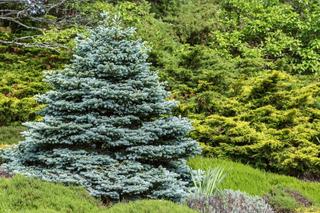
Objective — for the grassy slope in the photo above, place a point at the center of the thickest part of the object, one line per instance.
(239, 177)
(21, 194)
(158, 206)
(24, 194)
(256, 182)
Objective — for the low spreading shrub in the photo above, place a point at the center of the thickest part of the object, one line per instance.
(272, 123)
(229, 201)
(21, 79)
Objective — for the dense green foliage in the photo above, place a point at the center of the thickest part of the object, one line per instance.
(246, 72)
(228, 83)
(255, 182)
(21, 71)
(273, 123)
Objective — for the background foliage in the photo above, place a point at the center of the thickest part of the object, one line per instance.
(246, 72)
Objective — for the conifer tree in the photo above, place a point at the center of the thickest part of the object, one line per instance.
(107, 125)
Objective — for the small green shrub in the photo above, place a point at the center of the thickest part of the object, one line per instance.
(207, 184)
(13, 109)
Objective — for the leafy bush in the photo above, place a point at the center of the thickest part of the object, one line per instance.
(273, 123)
(229, 201)
(277, 30)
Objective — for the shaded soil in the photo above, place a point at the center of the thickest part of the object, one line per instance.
(4, 174)
(299, 198)
(310, 177)
(277, 205)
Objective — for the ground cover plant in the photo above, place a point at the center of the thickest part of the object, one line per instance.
(229, 201)
(283, 192)
(157, 206)
(25, 194)
(21, 194)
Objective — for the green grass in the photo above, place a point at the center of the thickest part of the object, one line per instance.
(150, 206)
(256, 182)
(22, 194)
(10, 134)
(28, 195)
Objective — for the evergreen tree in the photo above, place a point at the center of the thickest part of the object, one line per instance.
(108, 125)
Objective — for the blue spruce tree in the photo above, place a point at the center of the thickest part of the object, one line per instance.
(108, 125)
